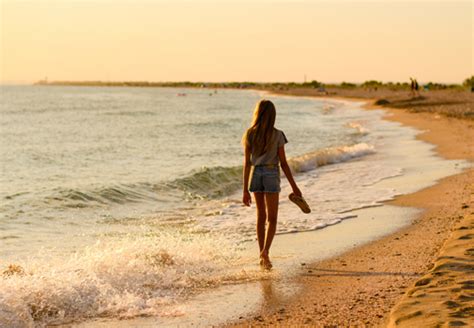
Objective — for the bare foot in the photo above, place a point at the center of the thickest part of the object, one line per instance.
(265, 262)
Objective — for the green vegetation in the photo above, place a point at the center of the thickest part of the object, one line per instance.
(348, 85)
(441, 86)
(372, 84)
(314, 84)
(469, 83)
(397, 86)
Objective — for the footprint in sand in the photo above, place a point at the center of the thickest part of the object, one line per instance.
(451, 304)
(423, 282)
(457, 323)
(469, 236)
(469, 252)
(468, 284)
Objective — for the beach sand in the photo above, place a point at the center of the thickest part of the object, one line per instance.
(444, 295)
(420, 276)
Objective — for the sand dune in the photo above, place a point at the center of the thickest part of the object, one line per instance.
(444, 295)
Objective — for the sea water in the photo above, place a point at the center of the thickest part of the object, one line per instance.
(125, 202)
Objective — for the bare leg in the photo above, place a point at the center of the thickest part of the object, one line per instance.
(261, 218)
(271, 202)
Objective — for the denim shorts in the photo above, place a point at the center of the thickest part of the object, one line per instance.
(265, 179)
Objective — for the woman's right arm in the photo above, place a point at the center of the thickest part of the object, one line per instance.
(246, 199)
(286, 168)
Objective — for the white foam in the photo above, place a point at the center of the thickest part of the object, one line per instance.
(331, 155)
(122, 278)
(331, 191)
(359, 129)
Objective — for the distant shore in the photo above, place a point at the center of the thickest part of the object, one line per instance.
(447, 99)
(456, 103)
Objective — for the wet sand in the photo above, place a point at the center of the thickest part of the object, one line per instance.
(421, 273)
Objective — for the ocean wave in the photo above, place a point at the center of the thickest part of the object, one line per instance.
(205, 183)
(131, 113)
(227, 123)
(118, 194)
(219, 181)
(210, 182)
(328, 156)
(123, 278)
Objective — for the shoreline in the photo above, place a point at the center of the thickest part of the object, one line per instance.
(368, 282)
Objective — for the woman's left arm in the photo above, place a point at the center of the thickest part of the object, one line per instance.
(246, 199)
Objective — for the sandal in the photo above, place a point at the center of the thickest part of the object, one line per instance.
(300, 202)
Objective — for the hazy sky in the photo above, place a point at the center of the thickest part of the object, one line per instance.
(260, 40)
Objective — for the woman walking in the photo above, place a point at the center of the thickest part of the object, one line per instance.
(264, 149)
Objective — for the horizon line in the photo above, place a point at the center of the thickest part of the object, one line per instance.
(48, 81)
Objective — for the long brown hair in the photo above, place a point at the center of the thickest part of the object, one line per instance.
(259, 135)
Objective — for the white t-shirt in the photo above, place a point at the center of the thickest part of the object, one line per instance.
(270, 157)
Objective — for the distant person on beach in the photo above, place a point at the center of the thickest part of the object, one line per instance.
(417, 87)
(412, 86)
(264, 148)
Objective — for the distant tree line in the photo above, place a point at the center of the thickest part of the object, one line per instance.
(469, 83)
(370, 84)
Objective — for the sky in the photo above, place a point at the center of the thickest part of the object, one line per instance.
(260, 40)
